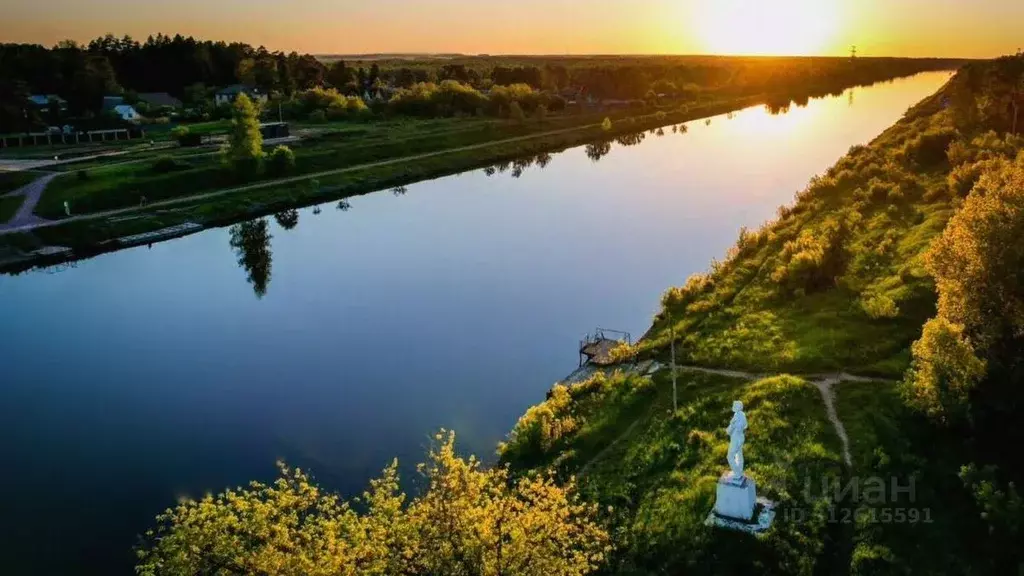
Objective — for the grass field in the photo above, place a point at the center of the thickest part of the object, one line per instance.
(11, 181)
(8, 206)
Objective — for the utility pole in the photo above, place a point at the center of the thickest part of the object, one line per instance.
(672, 335)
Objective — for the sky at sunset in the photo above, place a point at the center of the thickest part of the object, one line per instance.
(967, 28)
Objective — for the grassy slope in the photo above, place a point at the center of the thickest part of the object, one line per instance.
(655, 471)
(837, 280)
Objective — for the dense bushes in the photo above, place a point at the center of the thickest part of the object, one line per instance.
(929, 148)
(281, 161)
(466, 520)
(165, 164)
(815, 259)
(185, 137)
(452, 98)
(321, 104)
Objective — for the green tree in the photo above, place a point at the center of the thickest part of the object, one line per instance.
(978, 261)
(245, 142)
(467, 521)
(281, 161)
(945, 370)
(978, 265)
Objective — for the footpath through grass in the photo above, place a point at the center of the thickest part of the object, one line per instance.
(654, 471)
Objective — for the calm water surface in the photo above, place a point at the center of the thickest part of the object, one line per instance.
(140, 376)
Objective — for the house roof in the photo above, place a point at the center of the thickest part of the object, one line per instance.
(160, 99)
(45, 99)
(236, 89)
(111, 102)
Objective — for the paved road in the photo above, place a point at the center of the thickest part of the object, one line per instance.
(25, 216)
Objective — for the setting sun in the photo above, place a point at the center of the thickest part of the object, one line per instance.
(791, 27)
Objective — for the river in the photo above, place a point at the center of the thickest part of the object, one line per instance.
(345, 340)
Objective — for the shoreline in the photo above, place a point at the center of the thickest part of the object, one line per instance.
(79, 238)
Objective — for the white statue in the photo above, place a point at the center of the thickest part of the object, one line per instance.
(737, 435)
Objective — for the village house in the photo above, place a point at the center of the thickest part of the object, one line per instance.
(42, 101)
(160, 100)
(228, 95)
(116, 105)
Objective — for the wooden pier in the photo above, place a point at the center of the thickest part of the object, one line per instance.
(596, 348)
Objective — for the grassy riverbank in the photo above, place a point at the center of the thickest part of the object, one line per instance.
(346, 161)
(336, 161)
(837, 280)
(840, 281)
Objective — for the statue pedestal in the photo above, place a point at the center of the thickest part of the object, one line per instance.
(737, 506)
(736, 497)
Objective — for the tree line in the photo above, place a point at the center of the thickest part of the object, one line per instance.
(191, 69)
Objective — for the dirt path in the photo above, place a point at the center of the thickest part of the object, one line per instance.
(23, 164)
(828, 396)
(32, 192)
(825, 384)
(282, 181)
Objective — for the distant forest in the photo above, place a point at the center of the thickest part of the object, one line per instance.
(189, 69)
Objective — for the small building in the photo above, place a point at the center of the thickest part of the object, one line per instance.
(42, 101)
(228, 95)
(160, 100)
(111, 102)
(274, 130)
(127, 112)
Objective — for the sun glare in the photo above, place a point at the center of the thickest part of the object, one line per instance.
(767, 27)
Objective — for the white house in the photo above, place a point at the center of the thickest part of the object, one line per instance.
(127, 112)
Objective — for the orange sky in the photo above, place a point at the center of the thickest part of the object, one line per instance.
(968, 28)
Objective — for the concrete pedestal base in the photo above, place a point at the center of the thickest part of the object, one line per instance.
(737, 506)
(736, 497)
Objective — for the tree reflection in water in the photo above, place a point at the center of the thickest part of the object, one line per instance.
(516, 168)
(287, 219)
(598, 150)
(251, 243)
(631, 139)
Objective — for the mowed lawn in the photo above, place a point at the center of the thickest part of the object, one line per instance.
(8, 206)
